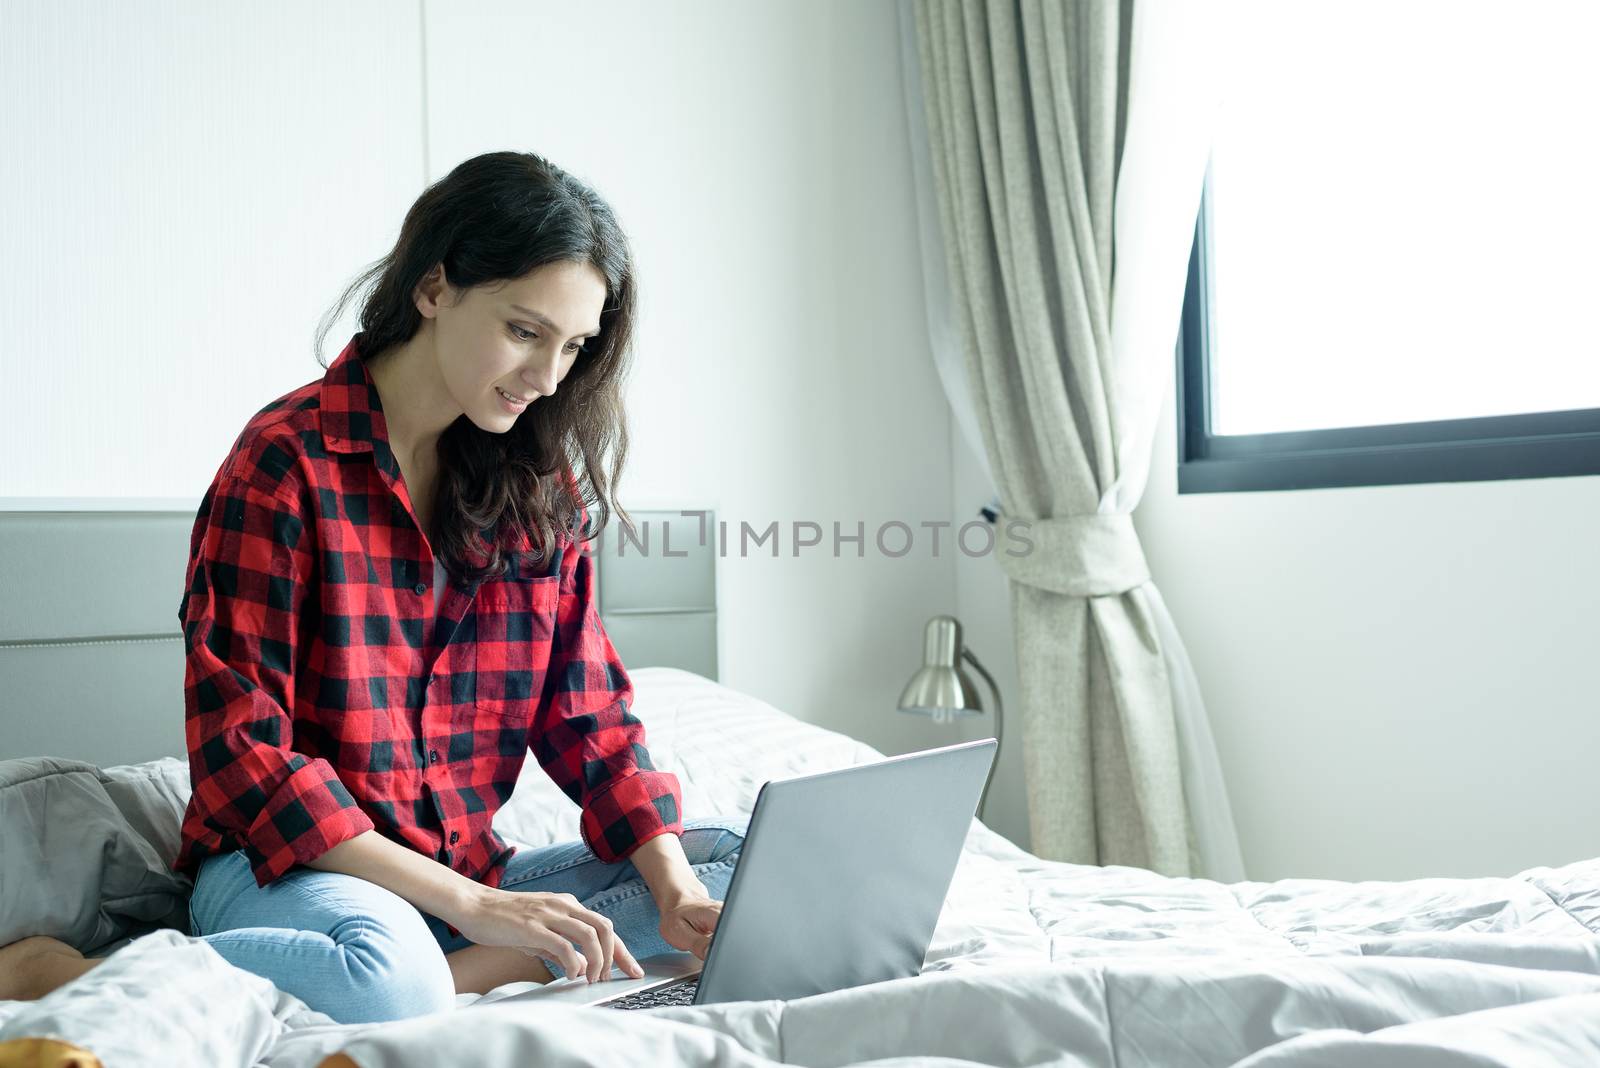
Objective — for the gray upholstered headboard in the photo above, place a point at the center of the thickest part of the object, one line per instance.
(91, 657)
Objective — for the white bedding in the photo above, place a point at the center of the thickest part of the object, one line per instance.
(1032, 962)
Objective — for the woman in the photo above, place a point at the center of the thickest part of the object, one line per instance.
(390, 602)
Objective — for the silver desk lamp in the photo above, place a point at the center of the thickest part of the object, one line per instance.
(942, 690)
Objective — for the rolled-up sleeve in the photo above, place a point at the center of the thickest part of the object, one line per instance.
(250, 571)
(586, 737)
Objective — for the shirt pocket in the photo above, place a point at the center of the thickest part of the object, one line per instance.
(515, 622)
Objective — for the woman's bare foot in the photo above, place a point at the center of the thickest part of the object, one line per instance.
(479, 969)
(33, 967)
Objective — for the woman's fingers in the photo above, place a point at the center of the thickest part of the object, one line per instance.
(586, 936)
(611, 947)
(596, 933)
(560, 950)
(702, 941)
(629, 963)
(588, 939)
(558, 928)
(608, 940)
(574, 961)
(697, 927)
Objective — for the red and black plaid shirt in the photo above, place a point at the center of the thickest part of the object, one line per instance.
(323, 699)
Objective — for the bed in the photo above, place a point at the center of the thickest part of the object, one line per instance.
(1032, 961)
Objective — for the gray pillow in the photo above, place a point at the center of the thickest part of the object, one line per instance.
(86, 852)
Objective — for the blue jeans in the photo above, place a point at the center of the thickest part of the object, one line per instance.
(361, 953)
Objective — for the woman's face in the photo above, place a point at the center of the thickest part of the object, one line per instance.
(502, 348)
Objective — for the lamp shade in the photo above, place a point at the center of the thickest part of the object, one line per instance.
(940, 687)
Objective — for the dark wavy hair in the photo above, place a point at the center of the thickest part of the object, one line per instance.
(493, 219)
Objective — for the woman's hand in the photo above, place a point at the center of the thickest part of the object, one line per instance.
(687, 921)
(546, 925)
(689, 913)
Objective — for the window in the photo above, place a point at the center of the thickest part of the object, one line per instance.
(1397, 257)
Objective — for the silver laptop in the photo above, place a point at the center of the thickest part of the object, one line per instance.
(839, 883)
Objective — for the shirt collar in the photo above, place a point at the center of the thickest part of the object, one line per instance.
(351, 411)
(351, 415)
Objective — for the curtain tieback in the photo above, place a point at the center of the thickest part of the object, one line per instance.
(1078, 555)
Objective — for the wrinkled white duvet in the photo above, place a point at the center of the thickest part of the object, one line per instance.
(1033, 963)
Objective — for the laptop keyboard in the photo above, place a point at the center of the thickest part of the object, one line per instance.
(671, 994)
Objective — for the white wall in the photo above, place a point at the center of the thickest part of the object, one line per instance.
(1402, 679)
(192, 185)
(183, 189)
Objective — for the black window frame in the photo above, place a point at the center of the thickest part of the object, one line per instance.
(1532, 445)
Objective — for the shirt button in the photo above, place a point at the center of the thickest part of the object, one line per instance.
(455, 836)
(433, 756)
(421, 587)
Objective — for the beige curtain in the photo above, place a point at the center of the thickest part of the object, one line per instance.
(1027, 111)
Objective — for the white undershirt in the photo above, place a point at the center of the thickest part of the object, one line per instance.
(440, 577)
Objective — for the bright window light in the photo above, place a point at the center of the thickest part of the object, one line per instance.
(1406, 215)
